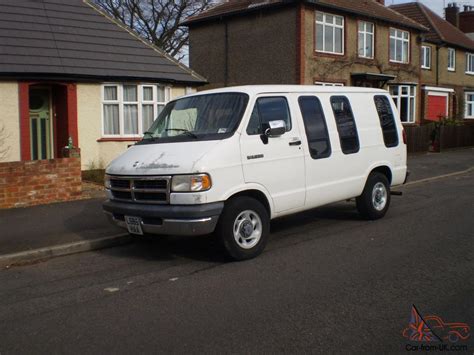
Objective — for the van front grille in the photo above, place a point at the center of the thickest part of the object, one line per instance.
(148, 189)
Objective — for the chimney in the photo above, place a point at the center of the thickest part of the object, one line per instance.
(452, 14)
(466, 21)
(381, 2)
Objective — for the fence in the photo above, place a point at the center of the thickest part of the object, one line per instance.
(419, 138)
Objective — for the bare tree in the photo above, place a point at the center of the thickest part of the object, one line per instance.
(158, 21)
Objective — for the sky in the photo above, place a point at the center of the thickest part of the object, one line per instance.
(435, 5)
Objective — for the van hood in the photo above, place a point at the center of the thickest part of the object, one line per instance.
(161, 159)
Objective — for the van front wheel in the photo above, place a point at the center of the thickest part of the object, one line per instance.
(243, 228)
(375, 199)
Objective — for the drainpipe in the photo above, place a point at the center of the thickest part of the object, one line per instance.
(226, 54)
(437, 65)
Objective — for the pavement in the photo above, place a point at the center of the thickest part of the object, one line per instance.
(41, 232)
(328, 282)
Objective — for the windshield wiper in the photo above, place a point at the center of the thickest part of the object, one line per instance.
(150, 136)
(185, 132)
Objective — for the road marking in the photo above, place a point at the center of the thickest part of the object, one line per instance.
(111, 289)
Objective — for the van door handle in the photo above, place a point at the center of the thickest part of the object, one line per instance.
(295, 143)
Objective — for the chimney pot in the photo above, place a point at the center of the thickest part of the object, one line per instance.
(452, 14)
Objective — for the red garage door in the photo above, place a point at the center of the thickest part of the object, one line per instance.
(437, 107)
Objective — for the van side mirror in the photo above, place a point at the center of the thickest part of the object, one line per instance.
(275, 128)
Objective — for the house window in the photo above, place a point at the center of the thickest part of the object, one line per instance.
(329, 33)
(451, 59)
(323, 83)
(469, 105)
(426, 57)
(405, 99)
(129, 109)
(366, 40)
(399, 46)
(469, 63)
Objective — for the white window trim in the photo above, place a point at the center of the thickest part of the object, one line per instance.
(452, 50)
(468, 56)
(324, 37)
(466, 109)
(365, 33)
(120, 102)
(396, 38)
(396, 100)
(423, 52)
(325, 83)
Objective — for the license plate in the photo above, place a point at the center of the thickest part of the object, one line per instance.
(134, 225)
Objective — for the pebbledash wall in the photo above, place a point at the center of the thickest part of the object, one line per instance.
(96, 151)
(10, 122)
(29, 183)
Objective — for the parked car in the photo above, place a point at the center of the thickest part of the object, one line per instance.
(230, 160)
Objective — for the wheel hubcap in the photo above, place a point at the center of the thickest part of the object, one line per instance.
(247, 229)
(379, 196)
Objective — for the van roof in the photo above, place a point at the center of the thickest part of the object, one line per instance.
(278, 89)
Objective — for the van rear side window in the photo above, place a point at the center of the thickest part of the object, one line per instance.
(315, 126)
(387, 121)
(346, 125)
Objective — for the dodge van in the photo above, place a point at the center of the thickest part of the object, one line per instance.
(228, 161)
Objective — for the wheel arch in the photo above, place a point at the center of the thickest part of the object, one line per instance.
(383, 169)
(257, 194)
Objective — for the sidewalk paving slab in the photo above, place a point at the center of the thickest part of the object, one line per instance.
(64, 228)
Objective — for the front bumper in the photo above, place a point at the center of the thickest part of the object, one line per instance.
(177, 220)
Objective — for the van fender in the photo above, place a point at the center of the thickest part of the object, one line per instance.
(247, 187)
(375, 166)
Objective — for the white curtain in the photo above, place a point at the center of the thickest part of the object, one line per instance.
(130, 93)
(148, 93)
(111, 119)
(110, 93)
(130, 119)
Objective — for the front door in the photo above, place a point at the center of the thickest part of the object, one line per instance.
(276, 164)
(41, 124)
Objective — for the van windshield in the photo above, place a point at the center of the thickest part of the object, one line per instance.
(203, 117)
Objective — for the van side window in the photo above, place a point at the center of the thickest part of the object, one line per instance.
(387, 121)
(268, 109)
(315, 126)
(346, 125)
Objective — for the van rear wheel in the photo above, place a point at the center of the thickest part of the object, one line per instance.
(243, 228)
(375, 199)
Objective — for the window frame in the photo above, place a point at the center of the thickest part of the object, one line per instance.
(365, 35)
(288, 129)
(140, 103)
(424, 51)
(397, 99)
(467, 104)
(452, 51)
(470, 63)
(334, 26)
(352, 151)
(403, 40)
(326, 129)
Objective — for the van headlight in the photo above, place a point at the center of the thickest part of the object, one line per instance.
(107, 182)
(191, 183)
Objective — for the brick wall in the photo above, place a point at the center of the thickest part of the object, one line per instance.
(30, 183)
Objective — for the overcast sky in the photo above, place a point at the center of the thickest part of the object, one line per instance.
(436, 5)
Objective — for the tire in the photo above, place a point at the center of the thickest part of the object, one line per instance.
(374, 202)
(243, 228)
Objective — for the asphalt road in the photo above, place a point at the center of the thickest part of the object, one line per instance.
(328, 282)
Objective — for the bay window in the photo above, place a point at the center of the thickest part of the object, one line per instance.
(405, 99)
(130, 109)
(399, 46)
(469, 97)
(329, 33)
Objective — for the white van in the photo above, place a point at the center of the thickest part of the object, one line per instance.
(230, 160)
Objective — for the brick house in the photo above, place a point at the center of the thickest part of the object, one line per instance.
(328, 42)
(447, 62)
(69, 71)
